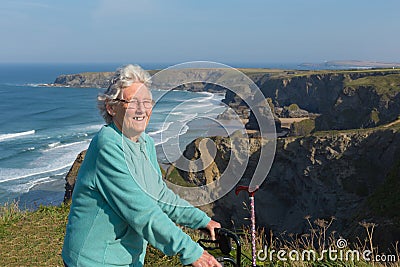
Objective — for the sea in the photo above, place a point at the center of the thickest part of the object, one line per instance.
(43, 129)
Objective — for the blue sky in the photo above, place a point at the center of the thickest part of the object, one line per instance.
(173, 31)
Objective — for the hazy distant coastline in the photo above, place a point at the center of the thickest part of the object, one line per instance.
(358, 64)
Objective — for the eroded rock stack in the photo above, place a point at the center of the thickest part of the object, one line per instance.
(322, 176)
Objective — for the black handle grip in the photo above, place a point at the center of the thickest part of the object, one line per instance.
(206, 231)
(223, 243)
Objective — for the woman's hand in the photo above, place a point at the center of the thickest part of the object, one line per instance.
(211, 226)
(206, 260)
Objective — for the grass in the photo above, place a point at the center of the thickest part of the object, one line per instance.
(34, 238)
(347, 71)
(308, 249)
(394, 126)
(174, 177)
(303, 128)
(385, 201)
(384, 84)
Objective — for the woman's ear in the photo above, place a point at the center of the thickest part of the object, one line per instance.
(110, 109)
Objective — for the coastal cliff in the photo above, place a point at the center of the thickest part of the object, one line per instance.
(342, 99)
(336, 174)
(84, 80)
(174, 77)
(341, 161)
(335, 100)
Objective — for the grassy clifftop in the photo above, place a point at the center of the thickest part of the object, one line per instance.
(32, 238)
(384, 84)
(35, 239)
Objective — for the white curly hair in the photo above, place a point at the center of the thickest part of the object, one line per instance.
(122, 78)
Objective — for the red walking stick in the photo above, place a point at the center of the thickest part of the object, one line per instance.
(253, 219)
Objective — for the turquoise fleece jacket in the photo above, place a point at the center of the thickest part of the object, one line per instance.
(120, 203)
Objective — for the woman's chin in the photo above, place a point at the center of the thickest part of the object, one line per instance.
(134, 130)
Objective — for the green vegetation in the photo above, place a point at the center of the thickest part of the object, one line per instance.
(394, 126)
(375, 116)
(293, 107)
(35, 238)
(302, 128)
(385, 84)
(348, 71)
(173, 176)
(32, 238)
(385, 201)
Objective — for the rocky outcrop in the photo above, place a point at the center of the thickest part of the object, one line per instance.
(70, 179)
(344, 100)
(293, 111)
(326, 175)
(88, 80)
(176, 79)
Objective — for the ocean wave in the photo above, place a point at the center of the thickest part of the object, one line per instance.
(188, 117)
(191, 105)
(215, 108)
(82, 135)
(51, 160)
(165, 127)
(184, 129)
(45, 111)
(58, 145)
(94, 127)
(166, 135)
(26, 187)
(12, 153)
(209, 96)
(53, 144)
(25, 173)
(161, 141)
(194, 103)
(9, 136)
(206, 93)
(176, 113)
(31, 84)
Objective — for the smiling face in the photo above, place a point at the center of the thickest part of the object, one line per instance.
(132, 118)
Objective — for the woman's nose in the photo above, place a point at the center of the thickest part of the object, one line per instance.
(140, 107)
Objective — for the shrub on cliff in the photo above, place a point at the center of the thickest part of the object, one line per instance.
(302, 128)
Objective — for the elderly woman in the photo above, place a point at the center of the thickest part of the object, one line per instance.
(120, 202)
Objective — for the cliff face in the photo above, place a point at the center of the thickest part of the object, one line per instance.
(324, 175)
(167, 81)
(88, 79)
(344, 100)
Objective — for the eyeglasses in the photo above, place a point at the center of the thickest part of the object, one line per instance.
(134, 103)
